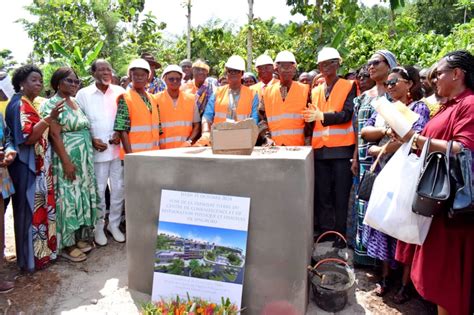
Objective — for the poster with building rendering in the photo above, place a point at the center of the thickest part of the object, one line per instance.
(201, 245)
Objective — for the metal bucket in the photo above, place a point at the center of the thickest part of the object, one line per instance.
(331, 280)
(320, 253)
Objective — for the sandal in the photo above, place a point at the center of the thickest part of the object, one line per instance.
(84, 246)
(382, 287)
(73, 254)
(402, 295)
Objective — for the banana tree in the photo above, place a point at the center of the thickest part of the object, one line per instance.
(77, 60)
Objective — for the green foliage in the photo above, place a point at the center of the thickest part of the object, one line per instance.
(7, 62)
(176, 267)
(162, 242)
(234, 259)
(441, 16)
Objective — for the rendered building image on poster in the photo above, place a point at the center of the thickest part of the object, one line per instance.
(200, 252)
(201, 246)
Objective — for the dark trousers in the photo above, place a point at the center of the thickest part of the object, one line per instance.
(332, 187)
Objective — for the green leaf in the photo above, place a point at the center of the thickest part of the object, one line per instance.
(60, 50)
(93, 53)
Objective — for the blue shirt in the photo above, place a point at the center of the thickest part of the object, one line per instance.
(209, 112)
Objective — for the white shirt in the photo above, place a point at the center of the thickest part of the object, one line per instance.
(101, 109)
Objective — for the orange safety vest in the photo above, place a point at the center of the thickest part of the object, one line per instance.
(189, 87)
(144, 132)
(221, 105)
(335, 135)
(177, 122)
(285, 118)
(260, 87)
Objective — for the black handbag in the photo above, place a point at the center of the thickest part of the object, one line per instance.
(433, 190)
(462, 183)
(368, 178)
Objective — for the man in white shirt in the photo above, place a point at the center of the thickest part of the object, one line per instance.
(99, 102)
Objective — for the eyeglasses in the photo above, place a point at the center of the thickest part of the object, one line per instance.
(72, 81)
(174, 80)
(393, 82)
(363, 76)
(328, 63)
(374, 63)
(233, 71)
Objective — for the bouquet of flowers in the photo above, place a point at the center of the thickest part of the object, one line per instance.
(190, 306)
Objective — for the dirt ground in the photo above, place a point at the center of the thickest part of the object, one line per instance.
(99, 286)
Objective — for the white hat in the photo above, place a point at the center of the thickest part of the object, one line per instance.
(140, 64)
(235, 62)
(328, 53)
(172, 68)
(285, 56)
(263, 60)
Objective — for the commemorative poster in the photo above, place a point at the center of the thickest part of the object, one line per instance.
(201, 246)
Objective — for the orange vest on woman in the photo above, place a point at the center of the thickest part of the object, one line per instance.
(285, 118)
(144, 132)
(340, 135)
(176, 121)
(244, 106)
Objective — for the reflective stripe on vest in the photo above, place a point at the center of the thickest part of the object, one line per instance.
(285, 119)
(287, 132)
(144, 125)
(177, 124)
(331, 130)
(172, 139)
(339, 135)
(221, 105)
(284, 116)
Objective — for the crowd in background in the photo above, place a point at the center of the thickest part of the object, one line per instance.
(61, 154)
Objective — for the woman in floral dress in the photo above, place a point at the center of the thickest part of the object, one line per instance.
(33, 202)
(73, 167)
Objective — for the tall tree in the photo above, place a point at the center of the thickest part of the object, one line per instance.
(250, 36)
(188, 39)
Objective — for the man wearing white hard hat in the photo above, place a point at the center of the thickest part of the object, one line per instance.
(98, 101)
(265, 68)
(137, 117)
(179, 115)
(282, 106)
(333, 143)
(231, 102)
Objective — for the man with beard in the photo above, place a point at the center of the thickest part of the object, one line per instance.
(99, 102)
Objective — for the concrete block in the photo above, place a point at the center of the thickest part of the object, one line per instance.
(279, 182)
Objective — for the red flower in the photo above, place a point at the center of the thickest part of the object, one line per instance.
(53, 243)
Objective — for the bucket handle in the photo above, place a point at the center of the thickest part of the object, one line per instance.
(330, 232)
(336, 260)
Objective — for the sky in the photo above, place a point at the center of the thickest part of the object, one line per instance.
(169, 11)
(224, 237)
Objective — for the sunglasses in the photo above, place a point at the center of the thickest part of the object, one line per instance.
(174, 80)
(438, 73)
(374, 63)
(72, 81)
(233, 71)
(393, 82)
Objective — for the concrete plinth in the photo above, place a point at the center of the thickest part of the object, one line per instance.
(279, 182)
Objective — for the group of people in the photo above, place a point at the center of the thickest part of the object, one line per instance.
(63, 153)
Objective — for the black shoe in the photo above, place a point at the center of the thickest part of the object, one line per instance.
(339, 243)
(6, 286)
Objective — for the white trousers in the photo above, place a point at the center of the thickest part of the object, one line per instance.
(111, 171)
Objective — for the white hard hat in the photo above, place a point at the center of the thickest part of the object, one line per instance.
(285, 56)
(140, 64)
(263, 60)
(235, 62)
(172, 68)
(328, 53)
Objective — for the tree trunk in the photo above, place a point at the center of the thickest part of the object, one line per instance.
(250, 36)
(188, 40)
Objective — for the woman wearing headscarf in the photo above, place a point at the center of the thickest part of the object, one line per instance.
(443, 267)
(73, 167)
(34, 212)
(379, 66)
